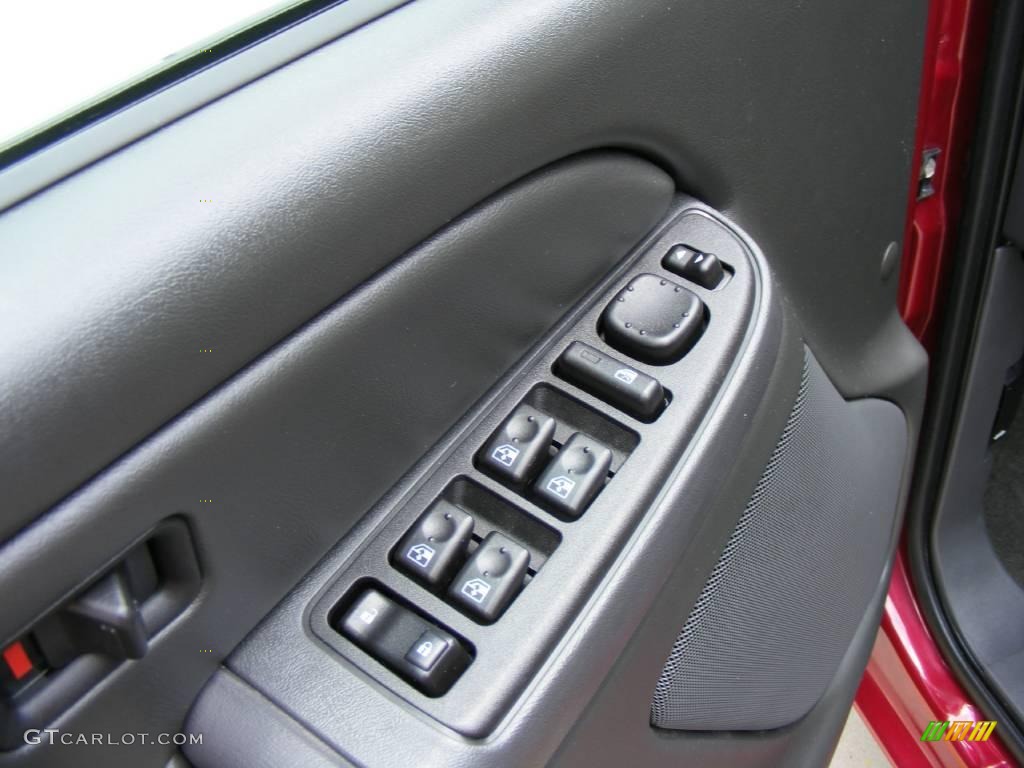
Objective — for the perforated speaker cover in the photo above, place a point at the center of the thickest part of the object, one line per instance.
(791, 586)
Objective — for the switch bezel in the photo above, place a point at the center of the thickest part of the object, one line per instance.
(513, 649)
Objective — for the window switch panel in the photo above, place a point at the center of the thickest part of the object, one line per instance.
(574, 476)
(518, 448)
(425, 655)
(433, 548)
(491, 578)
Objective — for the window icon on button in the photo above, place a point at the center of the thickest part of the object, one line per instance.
(506, 454)
(561, 486)
(421, 554)
(476, 590)
(627, 375)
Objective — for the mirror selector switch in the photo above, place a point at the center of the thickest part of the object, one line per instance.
(574, 477)
(518, 448)
(702, 268)
(491, 578)
(653, 319)
(425, 655)
(611, 380)
(433, 548)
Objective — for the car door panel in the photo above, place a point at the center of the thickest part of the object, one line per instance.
(407, 225)
(392, 366)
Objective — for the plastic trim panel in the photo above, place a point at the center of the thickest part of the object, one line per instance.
(314, 687)
(508, 650)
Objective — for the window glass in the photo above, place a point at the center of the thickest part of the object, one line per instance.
(61, 57)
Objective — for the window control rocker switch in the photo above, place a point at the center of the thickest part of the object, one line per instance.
(425, 655)
(491, 578)
(517, 449)
(433, 548)
(575, 476)
(612, 380)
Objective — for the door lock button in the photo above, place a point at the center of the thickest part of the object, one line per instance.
(427, 649)
(653, 319)
(575, 476)
(425, 655)
(433, 548)
(490, 578)
(517, 449)
(702, 268)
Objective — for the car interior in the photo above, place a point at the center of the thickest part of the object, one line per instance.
(518, 383)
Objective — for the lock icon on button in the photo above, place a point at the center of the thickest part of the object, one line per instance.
(428, 649)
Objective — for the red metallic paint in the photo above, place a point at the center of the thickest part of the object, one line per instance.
(950, 87)
(907, 682)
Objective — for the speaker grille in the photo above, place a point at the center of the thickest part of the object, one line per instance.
(790, 588)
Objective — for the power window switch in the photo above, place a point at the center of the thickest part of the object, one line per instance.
(702, 268)
(433, 548)
(518, 448)
(575, 476)
(612, 380)
(491, 578)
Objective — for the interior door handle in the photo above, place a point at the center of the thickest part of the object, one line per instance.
(104, 619)
(111, 619)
